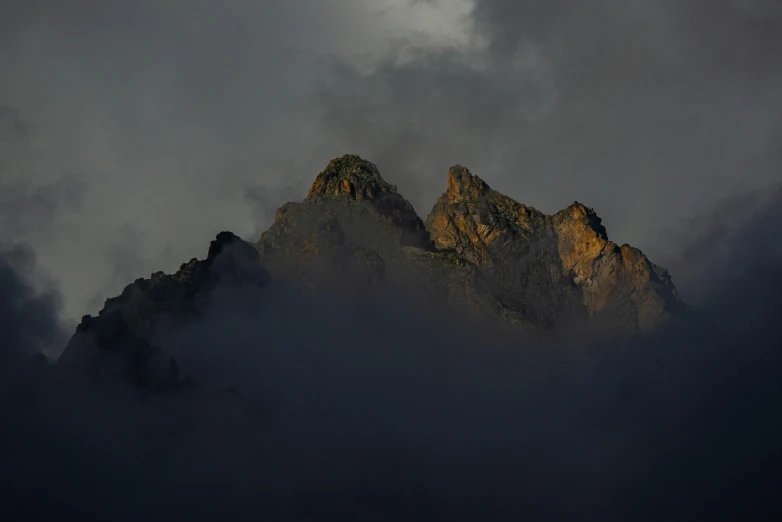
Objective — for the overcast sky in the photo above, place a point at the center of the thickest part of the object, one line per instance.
(132, 132)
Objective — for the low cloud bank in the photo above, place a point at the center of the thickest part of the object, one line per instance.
(317, 408)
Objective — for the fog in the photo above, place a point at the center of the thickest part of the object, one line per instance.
(377, 410)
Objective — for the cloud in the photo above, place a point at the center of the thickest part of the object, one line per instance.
(25, 209)
(28, 203)
(701, 248)
(28, 316)
(12, 127)
(265, 200)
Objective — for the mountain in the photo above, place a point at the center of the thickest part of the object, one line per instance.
(478, 247)
(550, 268)
(355, 235)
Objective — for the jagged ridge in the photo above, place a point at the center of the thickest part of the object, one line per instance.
(550, 267)
(125, 326)
(354, 233)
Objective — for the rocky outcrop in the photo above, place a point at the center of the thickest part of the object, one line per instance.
(513, 245)
(341, 235)
(617, 283)
(308, 244)
(350, 179)
(117, 341)
(354, 233)
(551, 268)
(229, 261)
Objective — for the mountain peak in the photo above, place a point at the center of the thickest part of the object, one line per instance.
(226, 240)
(549, 267)
(583, 214)
(462, 184)
(350, 176)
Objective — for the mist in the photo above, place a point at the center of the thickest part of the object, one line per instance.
(318, 407)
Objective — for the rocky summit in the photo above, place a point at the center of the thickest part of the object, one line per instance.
(550, 268)
(480, 251)
(477, 247)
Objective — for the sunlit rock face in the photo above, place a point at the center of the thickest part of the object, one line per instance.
(550, 267)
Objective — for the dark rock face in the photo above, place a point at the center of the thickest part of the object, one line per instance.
(308, 243)
(230, 261)
(118, 339)
(341, 236)
(111, 352)
(356, 179)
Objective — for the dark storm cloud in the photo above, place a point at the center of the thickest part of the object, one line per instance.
(700, 249)
(29, 322)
